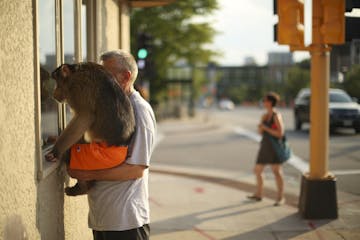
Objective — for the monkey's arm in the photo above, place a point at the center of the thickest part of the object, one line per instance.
(72, 133)
(122, 172)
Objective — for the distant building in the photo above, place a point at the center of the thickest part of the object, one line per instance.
(248, 78)
(342, 57)
(278, 66)
(280, 58)
(250, 61)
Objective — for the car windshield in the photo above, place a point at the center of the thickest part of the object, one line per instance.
(339, 98)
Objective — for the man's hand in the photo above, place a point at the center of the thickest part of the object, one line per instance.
(85, 175)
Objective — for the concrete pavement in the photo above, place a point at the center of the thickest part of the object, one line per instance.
(189, 204)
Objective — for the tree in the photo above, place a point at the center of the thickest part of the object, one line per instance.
(174, 37)
(298, 77)
(352, 81)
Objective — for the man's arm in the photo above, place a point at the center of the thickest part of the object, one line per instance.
(122, 172)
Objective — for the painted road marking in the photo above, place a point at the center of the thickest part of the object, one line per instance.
(346, 172)
(295, 161)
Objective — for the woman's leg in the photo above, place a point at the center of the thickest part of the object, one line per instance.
(258, 170)
(277, 170)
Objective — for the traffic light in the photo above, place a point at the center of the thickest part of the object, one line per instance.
(143, 49)
(290, 27)
(333, 24)
(142, 53)
(337, 28)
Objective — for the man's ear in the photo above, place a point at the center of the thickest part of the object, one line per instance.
(123, 77)
(65, 70)
(127, 75)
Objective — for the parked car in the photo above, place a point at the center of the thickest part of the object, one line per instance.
(343, 111)
(226, 104)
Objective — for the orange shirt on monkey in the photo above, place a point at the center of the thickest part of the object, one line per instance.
(96, 156)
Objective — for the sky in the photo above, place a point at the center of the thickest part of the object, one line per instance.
(246, 30)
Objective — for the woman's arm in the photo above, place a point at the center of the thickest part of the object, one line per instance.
(122, 172)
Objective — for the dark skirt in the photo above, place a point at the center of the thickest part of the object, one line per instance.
(267, 154)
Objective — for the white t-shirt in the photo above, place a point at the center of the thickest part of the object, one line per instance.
(124, 205)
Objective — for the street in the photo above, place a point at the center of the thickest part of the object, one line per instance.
(227, 141)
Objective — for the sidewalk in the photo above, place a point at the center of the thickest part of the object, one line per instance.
(190, 205)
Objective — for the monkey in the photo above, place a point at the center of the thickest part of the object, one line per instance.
(103, 114)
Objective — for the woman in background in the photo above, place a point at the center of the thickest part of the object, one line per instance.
(272, 124)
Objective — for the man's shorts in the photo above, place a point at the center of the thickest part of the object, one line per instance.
(95, 156)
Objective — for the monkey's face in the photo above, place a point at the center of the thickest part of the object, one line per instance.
(61, 75)
(60, 91)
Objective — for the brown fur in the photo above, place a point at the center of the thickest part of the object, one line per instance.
(101, 108)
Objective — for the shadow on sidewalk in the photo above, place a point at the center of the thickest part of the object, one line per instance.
(291, 199)
(190, 221)
(289, 227)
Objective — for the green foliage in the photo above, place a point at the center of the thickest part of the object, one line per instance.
(237, 94)
(298, 77)
(199, 76)
(174, 36)
(304, 64)
(352, 82)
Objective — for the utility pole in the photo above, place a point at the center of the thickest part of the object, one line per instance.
(318, 188)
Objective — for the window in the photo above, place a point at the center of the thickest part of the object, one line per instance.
(69, 31)
(59, 40)
(340, 98)
(47, 51)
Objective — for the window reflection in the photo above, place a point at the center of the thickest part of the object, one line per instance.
(83, 31)
(69, 30)
(69, 40)
(47, 49)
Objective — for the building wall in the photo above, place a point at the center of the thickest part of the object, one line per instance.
(32, 208)
(17, 139)
(114, 25)
(109, 25)
(124, 26)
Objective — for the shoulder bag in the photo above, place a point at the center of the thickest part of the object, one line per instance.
(281, 147)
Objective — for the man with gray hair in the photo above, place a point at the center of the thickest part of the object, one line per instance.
(119, 201)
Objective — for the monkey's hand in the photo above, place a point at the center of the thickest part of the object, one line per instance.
(51, 156)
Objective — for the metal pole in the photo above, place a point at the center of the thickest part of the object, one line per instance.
(318, 188)
(319, 109)
(319, 112)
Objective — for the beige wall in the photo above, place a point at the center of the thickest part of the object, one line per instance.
(113, 24)
(17, 145)
(125, 26)
(32, 209)
(108, 25)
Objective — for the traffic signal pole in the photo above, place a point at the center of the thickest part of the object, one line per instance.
(319, 112)
(318, 187)
(319, 109)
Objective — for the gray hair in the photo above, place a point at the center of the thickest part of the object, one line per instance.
(125, 60)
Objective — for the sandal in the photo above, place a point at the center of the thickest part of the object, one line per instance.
(279, 202)
(254, 198)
